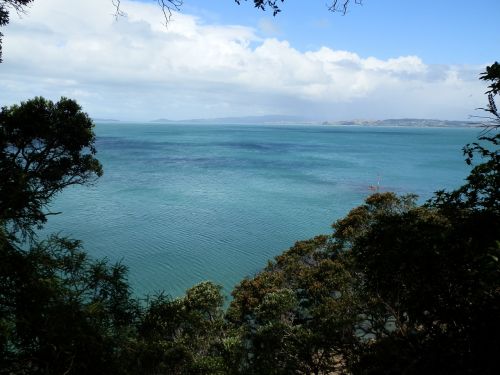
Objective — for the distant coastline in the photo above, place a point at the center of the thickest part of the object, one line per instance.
(405, 122)
(296, 120)
(293, 120)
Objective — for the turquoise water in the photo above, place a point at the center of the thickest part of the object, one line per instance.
(179, 204)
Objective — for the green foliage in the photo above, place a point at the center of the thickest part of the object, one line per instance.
(295, 316)
(61, 312)
(44, 147)
(482, 189)
(181, 336)
(397, 289)
(262, 4)
(492, 74)
(431, 283)
(429, 276)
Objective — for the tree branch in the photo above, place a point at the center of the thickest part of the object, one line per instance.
(342, 5)
(167, 7)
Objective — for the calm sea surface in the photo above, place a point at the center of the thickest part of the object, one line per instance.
(180, 204)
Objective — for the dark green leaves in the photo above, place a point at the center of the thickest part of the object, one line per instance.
(44, 147)
(492, 74)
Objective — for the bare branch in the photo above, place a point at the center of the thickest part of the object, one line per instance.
(167, 7)
(118, 12)
(342, 5)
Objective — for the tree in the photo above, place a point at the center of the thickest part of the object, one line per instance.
(431, 274)
(298, 314)
(483, 184)
(44, 147)
(183, 335)
(397, 288)
(492, 74)
(62, 313)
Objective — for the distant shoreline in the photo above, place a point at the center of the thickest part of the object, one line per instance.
(392, 123)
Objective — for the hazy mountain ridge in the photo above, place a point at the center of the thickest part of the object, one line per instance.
(279, 119)
(291, 120)
(266, 119)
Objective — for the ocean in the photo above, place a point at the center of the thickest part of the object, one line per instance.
(183, 203)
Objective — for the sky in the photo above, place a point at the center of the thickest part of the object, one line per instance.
(383, 59)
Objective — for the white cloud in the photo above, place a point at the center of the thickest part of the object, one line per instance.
(135, 68)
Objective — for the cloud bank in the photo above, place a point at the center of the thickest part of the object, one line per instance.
(134, 68)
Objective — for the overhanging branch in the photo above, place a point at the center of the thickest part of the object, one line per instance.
(167, 7)
(342, 5)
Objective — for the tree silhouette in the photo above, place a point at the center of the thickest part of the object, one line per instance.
(44, 147)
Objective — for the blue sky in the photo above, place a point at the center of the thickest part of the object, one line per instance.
(384, 59)
(438, 31)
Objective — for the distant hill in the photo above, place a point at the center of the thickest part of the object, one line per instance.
(282, 119)
(246, 120)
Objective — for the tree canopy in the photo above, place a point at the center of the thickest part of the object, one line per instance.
(397, 288)
(61, 312)
(44, 148)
